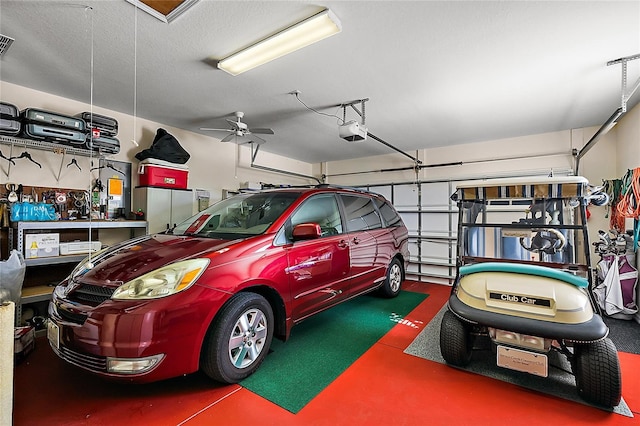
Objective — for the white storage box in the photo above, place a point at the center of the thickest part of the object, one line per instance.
(41, 245)
(79, 247)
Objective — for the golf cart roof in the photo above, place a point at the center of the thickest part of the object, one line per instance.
(537, 187)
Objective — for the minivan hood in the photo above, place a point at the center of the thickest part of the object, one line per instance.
(137, 257)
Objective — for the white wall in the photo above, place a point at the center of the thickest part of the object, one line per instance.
(628, 148)
(213, 165)
(628, 131)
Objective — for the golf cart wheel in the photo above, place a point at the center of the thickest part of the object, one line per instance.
(238, 339)
(391, 286)
(597, 372)
(455, 340)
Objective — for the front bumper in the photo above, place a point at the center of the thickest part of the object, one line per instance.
(166, 332)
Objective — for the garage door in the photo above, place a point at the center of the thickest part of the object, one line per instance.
(431, 218)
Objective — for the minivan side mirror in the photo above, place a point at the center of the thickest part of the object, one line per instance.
(306, 231)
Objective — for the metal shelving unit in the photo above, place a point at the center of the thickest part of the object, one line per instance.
(43, 293)
(56, 148)
(21, 227)
(46, 146)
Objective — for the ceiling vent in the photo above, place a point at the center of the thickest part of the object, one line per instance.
(5, 43)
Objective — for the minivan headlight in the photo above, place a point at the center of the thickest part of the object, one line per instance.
(162, 282)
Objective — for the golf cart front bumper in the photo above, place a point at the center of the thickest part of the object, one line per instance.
(591, 330)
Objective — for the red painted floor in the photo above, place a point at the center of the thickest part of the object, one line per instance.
(385, 386)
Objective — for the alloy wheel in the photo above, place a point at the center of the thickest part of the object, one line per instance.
(248, 338)
(395, 277)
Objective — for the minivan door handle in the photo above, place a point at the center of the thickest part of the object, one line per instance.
(355, 240)
(343, 244)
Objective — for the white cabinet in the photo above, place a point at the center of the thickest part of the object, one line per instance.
(163, 207)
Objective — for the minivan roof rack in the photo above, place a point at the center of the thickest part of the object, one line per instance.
(352, 188)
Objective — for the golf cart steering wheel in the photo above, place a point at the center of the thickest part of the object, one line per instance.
(548, 241)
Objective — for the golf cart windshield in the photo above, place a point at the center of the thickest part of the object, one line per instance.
(539, 221)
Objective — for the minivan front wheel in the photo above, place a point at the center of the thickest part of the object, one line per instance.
(395, 274)
(239, 339)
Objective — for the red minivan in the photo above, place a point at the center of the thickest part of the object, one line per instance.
(211, 293)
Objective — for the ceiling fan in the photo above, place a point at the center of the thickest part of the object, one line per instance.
(240, 129)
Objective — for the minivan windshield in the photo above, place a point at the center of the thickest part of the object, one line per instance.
(240, 216)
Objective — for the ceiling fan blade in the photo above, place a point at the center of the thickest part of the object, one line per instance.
(255, 139)
(228, 137)
(210, 129)
(263, 131)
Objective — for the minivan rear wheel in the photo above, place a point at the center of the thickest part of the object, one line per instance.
(395, 274)
(239, 339)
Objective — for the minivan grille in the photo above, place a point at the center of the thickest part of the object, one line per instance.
(90, 362)
(91, 295)
(71, 316)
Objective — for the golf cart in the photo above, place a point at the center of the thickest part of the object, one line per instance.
(523, 283)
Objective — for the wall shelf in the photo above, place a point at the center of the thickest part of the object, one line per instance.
(54, 260)
(39, 293)
(23, 226)
(46, 146)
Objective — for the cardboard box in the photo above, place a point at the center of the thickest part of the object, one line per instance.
(251, 185)
(41, 245)
(162, 174)
(24, 342)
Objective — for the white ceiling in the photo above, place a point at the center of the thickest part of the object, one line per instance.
(436, 73)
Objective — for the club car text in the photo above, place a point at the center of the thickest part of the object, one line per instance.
(514, 298)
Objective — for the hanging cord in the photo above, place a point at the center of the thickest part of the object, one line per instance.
(607, 188)
(629, 206)
(296, 93)
(89, 11)
(613, 188)
(135, 74)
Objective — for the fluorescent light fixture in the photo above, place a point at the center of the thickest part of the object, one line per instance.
(304, 33)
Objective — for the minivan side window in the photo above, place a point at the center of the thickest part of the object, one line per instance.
(360, 213)
(389, 213)
(321, 209)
